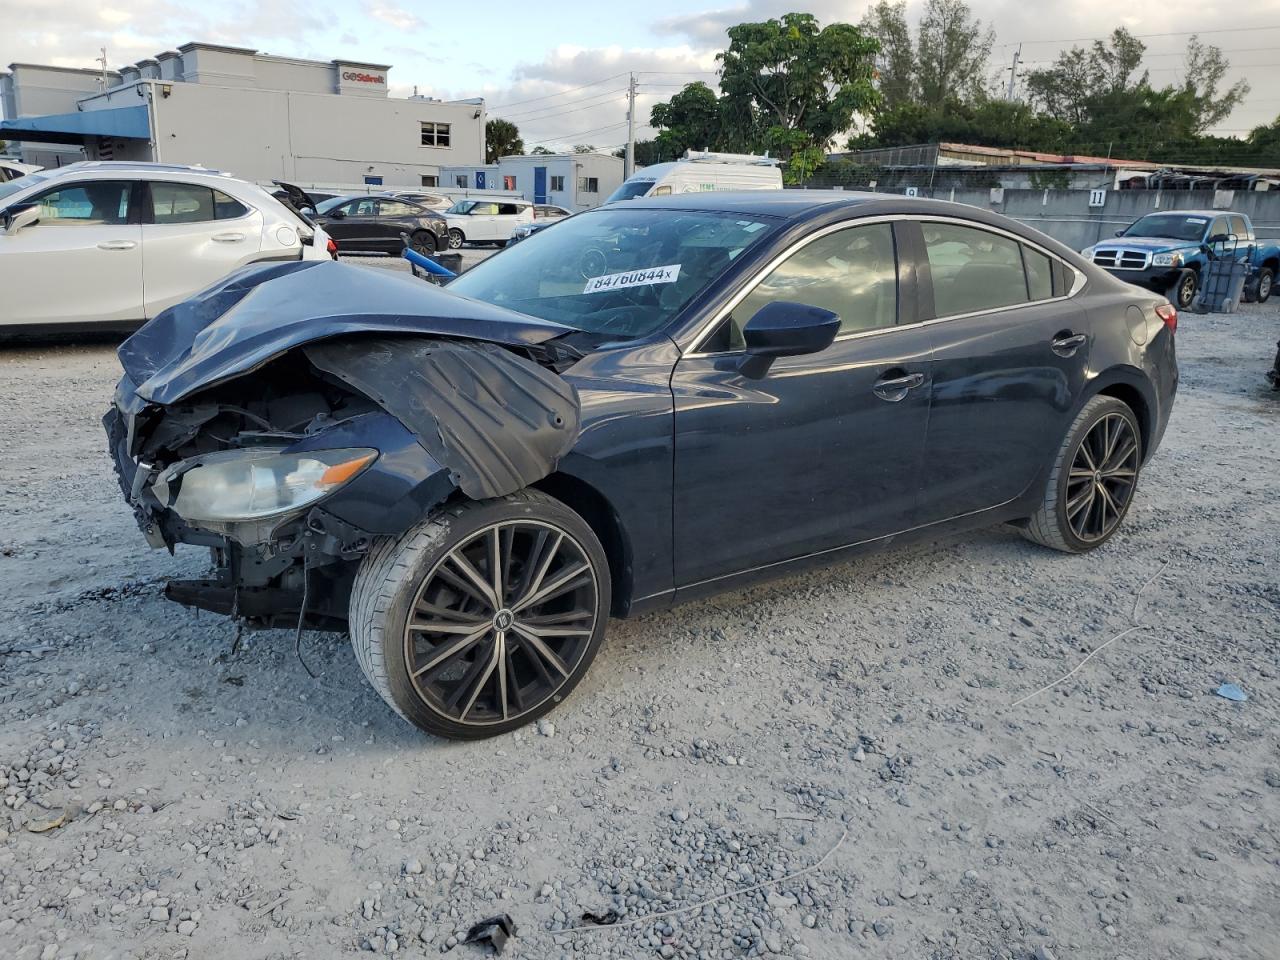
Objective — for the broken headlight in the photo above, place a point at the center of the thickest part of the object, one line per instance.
(239, 485)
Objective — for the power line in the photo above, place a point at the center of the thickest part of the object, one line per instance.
(561, 93)
(580, 133)
(571, 104)
(1150, 36)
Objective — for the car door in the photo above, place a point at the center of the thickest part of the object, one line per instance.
(192, 236)
(80, 263)
(824, 450)
(394, 218)
(355, 229)
(482, 222)
(1010, 358)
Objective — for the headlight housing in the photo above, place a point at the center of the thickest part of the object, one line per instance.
(1087, 253)
(236, 486)
(1167, 260)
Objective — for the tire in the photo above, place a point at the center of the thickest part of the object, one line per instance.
(417, 571)
(423, 242)
(456, 239)
(1054, 524)
(500, 243)
(1266, 282)
(1182, 292)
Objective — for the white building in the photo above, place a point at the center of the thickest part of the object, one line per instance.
(575, 181)
(257, 116)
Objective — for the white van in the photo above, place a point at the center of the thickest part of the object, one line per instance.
(698, 172)
(486, 221)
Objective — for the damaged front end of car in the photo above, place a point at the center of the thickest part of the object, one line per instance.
(291, 415)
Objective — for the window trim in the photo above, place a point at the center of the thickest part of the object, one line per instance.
(708, 327)
(147, 208)
(137, 204)
(435, 134)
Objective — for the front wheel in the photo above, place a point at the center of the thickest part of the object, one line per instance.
(1092, 481)
(484, 617)
(1182, 292)
(455, 239)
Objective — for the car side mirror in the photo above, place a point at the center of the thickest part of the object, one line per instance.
(1218, 238)
(23, 215)
(308, 211)
(785, 329)
(1119, 233)
(335, 215)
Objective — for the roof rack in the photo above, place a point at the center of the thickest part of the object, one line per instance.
(142, 165)
(707, 156)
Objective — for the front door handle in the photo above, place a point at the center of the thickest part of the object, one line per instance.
(1067, 343)
(228, 237)
(117, 245)
(894, 389)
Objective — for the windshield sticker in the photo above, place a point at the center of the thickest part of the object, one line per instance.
(1200, 221)
(633, 278)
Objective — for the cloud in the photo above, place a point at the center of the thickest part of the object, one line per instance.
(396, 17)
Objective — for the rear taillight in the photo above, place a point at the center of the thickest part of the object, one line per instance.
(333, 252)
(1169, 314)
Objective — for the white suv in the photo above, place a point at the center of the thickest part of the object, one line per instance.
(101, 244)
(486, 221)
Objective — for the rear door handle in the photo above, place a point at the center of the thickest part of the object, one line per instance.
(1066, 344)
(894, 389)
(117, 245)
(228, 237)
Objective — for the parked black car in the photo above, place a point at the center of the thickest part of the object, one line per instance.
(374, 224)
(654, 401)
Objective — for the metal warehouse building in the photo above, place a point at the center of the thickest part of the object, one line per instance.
(257, 116)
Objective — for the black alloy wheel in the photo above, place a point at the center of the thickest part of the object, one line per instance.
(500, 622)
(423, 242)
(1102, 478)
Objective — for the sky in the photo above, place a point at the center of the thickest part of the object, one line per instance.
(559, 71)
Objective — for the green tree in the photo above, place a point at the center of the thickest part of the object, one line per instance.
(1203, 71)
(693, 119)
(896, 72)
(787, 76)
(501, 139)
(952, 49)
(584, 148)
(541, 151)
(1075, 85)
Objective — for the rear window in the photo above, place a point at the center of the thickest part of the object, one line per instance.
(192, 203)
(973, 270)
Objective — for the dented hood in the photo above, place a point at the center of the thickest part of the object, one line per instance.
(259, 313)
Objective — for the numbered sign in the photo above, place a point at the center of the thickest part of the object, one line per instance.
(913, 191)
(1097, 198)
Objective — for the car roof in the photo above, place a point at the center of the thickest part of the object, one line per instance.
(770, 203)
(1194, 213)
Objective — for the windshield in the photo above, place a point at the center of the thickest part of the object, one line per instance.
(625, 273)
(462, 206)
(631, 189)
(324, 206)
(1173, 226)
(13, 186)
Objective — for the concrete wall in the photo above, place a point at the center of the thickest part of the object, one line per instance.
(1066, 215)
(275, 134)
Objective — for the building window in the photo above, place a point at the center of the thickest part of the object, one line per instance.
(588, 184)
(557, 183)
(508, 183)
(430, 181)
(460, 181)
(435, 134)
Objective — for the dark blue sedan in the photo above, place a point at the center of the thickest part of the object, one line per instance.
(652, 402)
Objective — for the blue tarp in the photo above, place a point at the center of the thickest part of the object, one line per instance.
(121, 123)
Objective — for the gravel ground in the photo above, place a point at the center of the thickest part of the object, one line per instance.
(862, 718)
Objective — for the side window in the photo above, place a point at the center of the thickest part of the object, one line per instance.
(227, 208)
(396, 208)
(1039, 273)
(853, 273)
(508, 209)
(973, 270)
(484, 210)
(1219, 227)
(181, 203)
(363, 208)
(1238, 227)
(93, 203)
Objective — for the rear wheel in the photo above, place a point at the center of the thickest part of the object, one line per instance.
(484, 617)
(456, 239)
(1092, 481)
(1183, 290)
(423, 242)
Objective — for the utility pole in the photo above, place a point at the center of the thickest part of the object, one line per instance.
(629, 164)
(1013, 72)
(103, 60)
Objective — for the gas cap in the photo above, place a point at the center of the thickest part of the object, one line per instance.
(286, 237)
(1136, 321)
